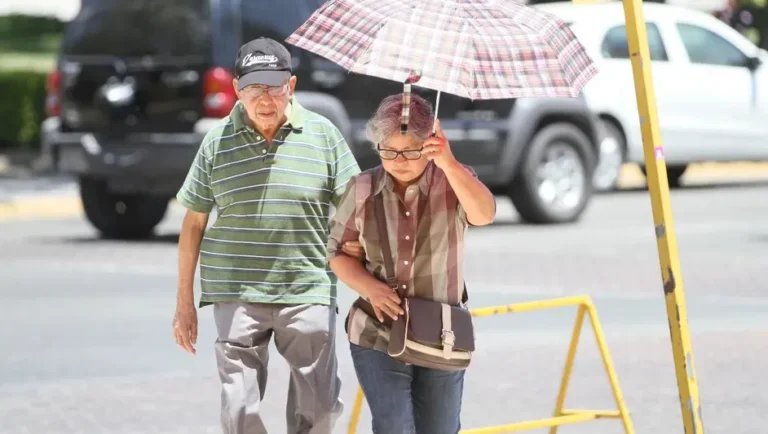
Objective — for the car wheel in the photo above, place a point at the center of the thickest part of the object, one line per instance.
(554, 182)
(674, 174)
(120, 216)
(612, 154)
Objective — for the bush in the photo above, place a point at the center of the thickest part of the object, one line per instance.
(22, 108)
(29, 26)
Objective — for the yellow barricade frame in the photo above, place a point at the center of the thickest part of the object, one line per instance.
(561, 416)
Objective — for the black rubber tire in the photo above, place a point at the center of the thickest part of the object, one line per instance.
(121, 216)
(674, 174)
(522, 191)
(613, 130)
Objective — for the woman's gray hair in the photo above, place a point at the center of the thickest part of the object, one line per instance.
(386, 121)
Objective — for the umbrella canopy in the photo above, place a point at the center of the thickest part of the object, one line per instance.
(478, 49)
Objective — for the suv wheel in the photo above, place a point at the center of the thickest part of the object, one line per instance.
(122, 216)
(554, 182)
(612, 154)
(675, 174)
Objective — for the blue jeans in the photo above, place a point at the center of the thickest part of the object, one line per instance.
(407, 399)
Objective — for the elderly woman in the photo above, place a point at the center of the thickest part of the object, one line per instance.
(429, 200)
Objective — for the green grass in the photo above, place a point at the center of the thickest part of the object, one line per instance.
(42, 44)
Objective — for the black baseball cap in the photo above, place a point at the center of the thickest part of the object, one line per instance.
(262, 61)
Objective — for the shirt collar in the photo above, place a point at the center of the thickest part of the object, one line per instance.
(295, 116)
(387, 181)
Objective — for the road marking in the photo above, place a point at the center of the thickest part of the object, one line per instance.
(45, 207)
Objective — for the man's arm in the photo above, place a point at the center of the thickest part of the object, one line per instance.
(196, 195)
(345, 164)
(192, 230)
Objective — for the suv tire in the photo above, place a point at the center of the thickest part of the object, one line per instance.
(120, 216)
(675, 174)
(576, 161)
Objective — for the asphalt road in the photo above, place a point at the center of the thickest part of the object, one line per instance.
(87, 347)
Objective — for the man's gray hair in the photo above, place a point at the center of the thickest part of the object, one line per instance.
(386, 121)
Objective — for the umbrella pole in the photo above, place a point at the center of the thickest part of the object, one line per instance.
(437, 107)
(666, 240)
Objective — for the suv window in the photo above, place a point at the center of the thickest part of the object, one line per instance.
(275, 19)
(615, 45)
(706, 47)
(139, 28)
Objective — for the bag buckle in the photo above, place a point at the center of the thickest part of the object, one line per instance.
(449, 338)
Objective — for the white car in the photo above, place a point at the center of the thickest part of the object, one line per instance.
(711, 86)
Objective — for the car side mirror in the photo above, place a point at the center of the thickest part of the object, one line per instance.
(753, 63)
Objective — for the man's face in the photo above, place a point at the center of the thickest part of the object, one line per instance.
(266, 105)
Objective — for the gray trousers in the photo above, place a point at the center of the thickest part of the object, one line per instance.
(305, 337)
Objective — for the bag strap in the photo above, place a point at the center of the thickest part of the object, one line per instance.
(381, 222)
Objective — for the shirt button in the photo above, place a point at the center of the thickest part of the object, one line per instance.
(263, 151)
(258, 137)
(407, 213)
(407, 237)
(405, 262)
(404, 286)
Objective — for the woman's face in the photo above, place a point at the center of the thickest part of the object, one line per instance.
(404, 170)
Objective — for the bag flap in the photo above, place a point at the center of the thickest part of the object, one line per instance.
(397, 335)
(426, 324)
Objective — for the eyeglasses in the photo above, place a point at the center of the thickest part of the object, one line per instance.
(255, 91)
(390, 154)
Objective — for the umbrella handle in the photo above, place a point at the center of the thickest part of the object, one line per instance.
(437, 107)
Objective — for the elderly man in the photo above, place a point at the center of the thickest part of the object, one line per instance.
(272, 168)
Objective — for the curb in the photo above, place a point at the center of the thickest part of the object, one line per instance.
(631, 176)
(41, 208)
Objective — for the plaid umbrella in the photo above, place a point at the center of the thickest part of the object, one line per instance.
(478, 49)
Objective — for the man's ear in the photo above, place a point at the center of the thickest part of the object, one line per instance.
(292, 84)
(234, 85)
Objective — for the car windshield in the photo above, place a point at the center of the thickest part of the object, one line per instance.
(138, 28)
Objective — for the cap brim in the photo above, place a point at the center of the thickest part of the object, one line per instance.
(264, 78)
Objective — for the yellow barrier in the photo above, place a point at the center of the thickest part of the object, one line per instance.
(561, 415)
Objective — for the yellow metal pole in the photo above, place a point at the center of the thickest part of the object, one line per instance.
(662, 217)
(357, 407)
(569, 361)
(613, 379)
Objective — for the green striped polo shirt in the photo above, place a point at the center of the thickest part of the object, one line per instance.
(268, 242)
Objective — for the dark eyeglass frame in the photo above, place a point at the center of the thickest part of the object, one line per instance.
(398, 153)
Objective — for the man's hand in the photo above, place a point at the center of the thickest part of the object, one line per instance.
(384, 301)
(438, 149)
(354, 249)
(185, 327)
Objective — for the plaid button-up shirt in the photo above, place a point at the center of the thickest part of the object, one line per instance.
(426, 236)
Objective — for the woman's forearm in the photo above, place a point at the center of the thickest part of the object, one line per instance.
(352, 272)
(478, 202)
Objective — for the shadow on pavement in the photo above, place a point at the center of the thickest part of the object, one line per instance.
(156, 239)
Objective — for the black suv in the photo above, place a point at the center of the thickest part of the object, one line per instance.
(138, 84)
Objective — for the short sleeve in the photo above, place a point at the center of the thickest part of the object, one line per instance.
(342, 227)
(344, 165)
(196, 193)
